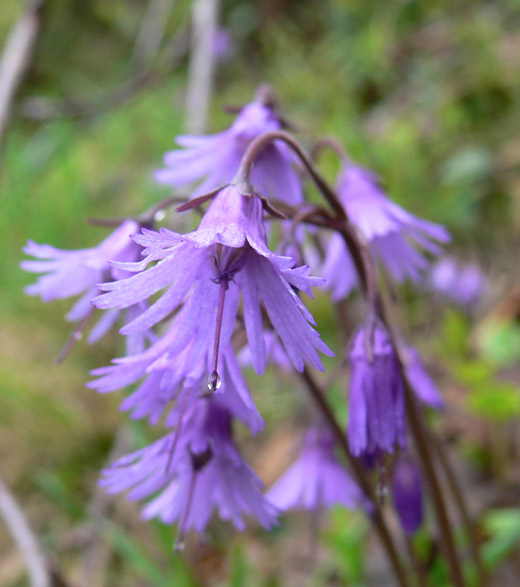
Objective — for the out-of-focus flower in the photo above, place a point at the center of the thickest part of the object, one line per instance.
(71, 273)
(226, 255)
(460, 283)
(317, 479)
(420, 380)
(193, 471)
(392, 233)
(223, 44)
(376, 402)
(214, 159)
(407, 494)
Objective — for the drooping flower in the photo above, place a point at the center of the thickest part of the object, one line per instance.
(316, 479)
(420, 380)
(458, 282)
(214, 159)
(393, 234)
(191, 472)
(208, 268)
(71, 273)
(407, 494)
(376, 402)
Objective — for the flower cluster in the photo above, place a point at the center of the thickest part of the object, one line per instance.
(199, 306)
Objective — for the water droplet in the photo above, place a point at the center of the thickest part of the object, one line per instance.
(77, 335)
(214, 381)
(178, 547)
(159, 215)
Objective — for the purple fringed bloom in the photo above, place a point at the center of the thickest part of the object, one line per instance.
(407, 495)
(462, 284)
(317, 479)
(192, 471)
(70, 273)
(390, 231)
(376, 402)
(215, 159)
(420, 380)
(208, 268)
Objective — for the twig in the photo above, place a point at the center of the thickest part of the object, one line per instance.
(151, 32)
(39, 574)
(40, 109)
(202, 64)
(16, 58)
(95, 554)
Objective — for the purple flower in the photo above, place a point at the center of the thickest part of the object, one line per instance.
(192, 471)
(460, 283)
(316, 479)
(376, 403)
(70, 273)
(421, 382)
(407, 494)
(215, 159)
(169, 375)
(208, 268)
(390, 230)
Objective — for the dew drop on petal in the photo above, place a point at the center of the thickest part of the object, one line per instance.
(214, 381)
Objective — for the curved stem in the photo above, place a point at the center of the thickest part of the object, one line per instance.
(330, 143)
(260, 143)
(377, 516)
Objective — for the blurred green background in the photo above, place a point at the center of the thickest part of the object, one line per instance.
(425, 93)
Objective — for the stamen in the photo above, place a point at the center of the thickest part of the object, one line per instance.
(77, 334)
(178, 545)
(214, 380)
(177, 432)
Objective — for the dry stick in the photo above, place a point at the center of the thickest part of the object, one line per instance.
(17, 56)
(151, 32)
(39, 574)
(463, 510)
(358, 470)
(201, 65)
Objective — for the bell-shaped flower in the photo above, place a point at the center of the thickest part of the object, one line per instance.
(460, 283)
(407, 494)
(316, 479)
(376, 417)
(207, 269)
(191, 472)
(70, 273)
(394, 235)
(215, 159)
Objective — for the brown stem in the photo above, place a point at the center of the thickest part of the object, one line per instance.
(377, 516)
(258, 145)
(463, 510)
(423, 441)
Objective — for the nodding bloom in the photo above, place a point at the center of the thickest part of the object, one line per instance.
(206, 270)
(376, 403)
(71, 273)
(393, 234)
(214, 160)
(316, 479)
(407, 494)
(191, 472)
(458, 282)
(420, 380)
(168, 375)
